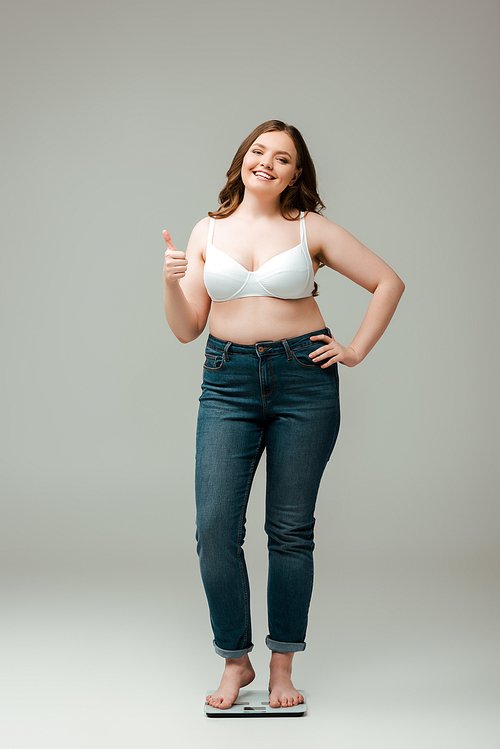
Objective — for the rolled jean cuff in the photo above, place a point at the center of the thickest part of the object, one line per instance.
(232, 653)
(285, 647)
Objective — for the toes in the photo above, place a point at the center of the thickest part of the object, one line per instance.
(220, 702)
(286, 701)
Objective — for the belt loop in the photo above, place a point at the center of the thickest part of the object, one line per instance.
(329, 333)
(287, 349)
(225, 354)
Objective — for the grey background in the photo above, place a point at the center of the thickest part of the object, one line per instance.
(119, 119)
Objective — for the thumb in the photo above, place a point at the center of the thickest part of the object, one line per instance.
(168, 240)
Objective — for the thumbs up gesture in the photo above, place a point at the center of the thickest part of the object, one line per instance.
(175, 265)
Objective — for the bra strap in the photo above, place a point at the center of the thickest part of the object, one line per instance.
(211, 227)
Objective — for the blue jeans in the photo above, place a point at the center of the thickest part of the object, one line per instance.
(268, 395)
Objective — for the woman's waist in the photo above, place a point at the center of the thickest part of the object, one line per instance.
(259, 348)
(250, 320)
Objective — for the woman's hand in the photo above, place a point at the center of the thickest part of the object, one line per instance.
(175, 265)
(333, 352)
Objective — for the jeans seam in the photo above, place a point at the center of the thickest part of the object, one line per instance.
(240, 533)
(272, 380)
(212, 369)
(306, 366)
(305, 345)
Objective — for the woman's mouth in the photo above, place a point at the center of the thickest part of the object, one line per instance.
(264, 175)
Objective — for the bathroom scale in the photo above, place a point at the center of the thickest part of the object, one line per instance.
(254, 703)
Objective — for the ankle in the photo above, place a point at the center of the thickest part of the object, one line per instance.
(243, 662)
(281, 662)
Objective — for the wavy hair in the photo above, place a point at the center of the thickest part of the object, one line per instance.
(301, 196)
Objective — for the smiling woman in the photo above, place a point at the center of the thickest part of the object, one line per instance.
(270, 382)
(256, 144)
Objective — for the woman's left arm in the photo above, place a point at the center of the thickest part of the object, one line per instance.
(344, 253)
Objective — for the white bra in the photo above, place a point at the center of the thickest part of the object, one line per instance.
(288, 275)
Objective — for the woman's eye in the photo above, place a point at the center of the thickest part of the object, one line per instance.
(257, 150)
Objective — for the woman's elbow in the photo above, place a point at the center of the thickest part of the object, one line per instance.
(192, 335)
(392, 284)
(186, 339)
(396, 284)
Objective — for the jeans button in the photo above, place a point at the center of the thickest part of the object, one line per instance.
(261, 348)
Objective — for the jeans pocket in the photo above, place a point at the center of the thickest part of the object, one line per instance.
(301, 356)
(213, 361)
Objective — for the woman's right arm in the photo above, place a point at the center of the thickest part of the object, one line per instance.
(185, 297)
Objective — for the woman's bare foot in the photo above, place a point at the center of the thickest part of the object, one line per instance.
(282, 691)
(237, 673)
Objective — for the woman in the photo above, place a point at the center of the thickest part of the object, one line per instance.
(270, 381)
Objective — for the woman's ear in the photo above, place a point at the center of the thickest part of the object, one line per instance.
(295, 177)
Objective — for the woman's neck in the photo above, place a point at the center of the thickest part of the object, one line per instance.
(254, 207)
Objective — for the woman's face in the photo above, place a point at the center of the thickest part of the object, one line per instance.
(269, 165)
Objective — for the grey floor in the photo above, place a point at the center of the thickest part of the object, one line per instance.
(397, 658)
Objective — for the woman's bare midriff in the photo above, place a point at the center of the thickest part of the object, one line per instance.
(252, 319)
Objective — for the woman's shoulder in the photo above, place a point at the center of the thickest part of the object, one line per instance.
(198, 239)
(202, 224)
(200, 229)
(318, 223)
(315, 222)
(316, 218)
(320, 231)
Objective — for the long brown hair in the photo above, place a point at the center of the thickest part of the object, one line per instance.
(301, 196)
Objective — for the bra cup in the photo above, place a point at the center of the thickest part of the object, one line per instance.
(222, 288)
(286, 284)
(291, 259)
(290, 278)
(224, 277)
(287, 275)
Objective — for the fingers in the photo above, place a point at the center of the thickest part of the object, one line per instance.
(330, 356)
(333, 356)
(175, 268)
(332, 359)
(332, 351)
(322, 353)
(175, 260)
(175, 255)
(321, 336)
